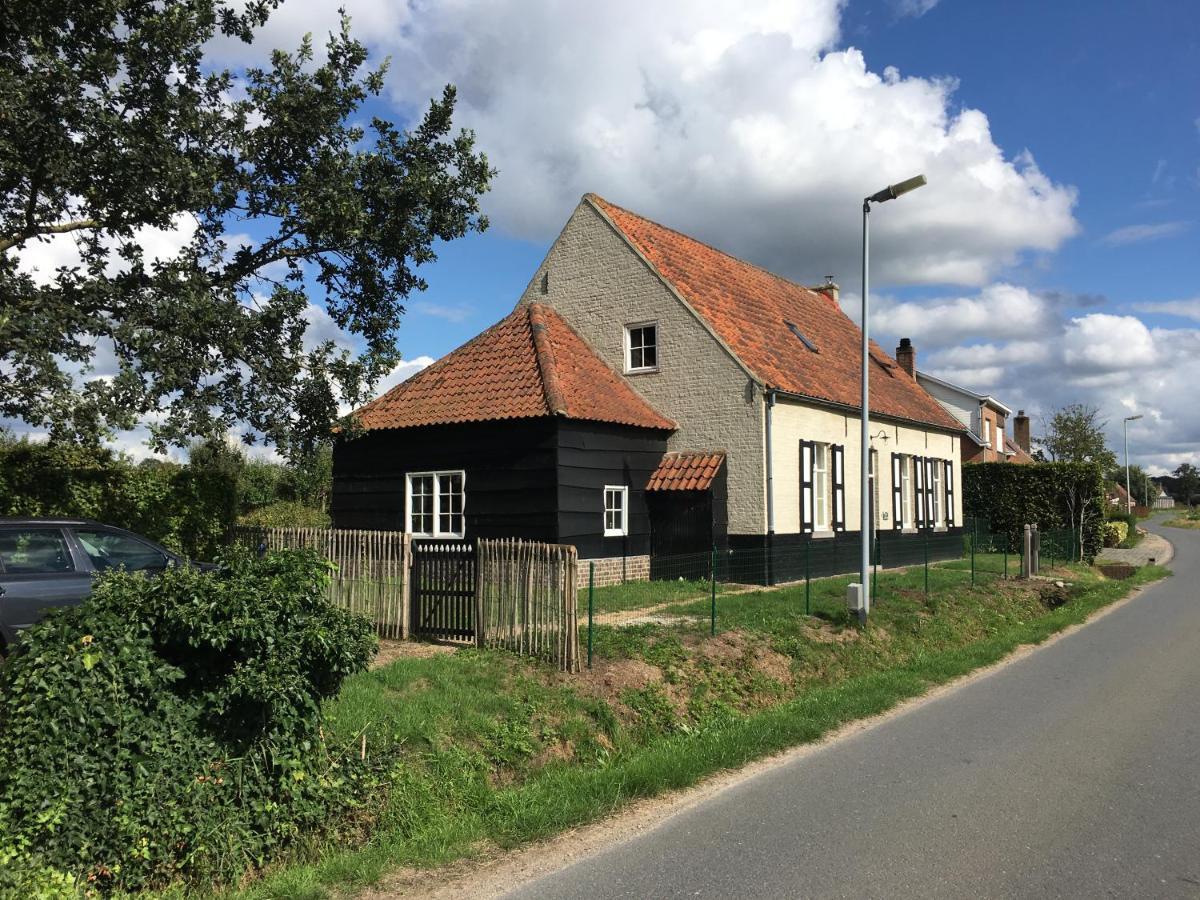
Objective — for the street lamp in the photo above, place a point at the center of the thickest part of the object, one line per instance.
(891, 192)
(1128, 496)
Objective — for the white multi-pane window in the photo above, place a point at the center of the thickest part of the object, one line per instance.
(616, 510)
(436, 503)
(906, 492)
(821, 485)
(641, 347)
(938, 512)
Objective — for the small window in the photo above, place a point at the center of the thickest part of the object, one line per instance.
(939, 500)
(906, 492)
(821, 485)
(987, 432)
(874, 464)
(111, 550)
(641, 348)
(436, 504)
(616, 511)
(34, 551)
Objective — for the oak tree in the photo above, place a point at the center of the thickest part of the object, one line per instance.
(281, 189)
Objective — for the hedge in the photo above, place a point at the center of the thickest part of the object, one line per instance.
(1012, 496)
(188, 510)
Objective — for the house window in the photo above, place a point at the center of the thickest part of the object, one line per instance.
(874, 470)
(616, 510)
(987, 432)
(436, 501)
(821, 487)
(906, 491)
(641, 347)
(938, 512)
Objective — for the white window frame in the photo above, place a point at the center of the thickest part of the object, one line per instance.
(939, 496)
(822, 486)
(874, 479)
(621, 490)
(435, 499)
(907, 496)
(987, 431)
(630, 368)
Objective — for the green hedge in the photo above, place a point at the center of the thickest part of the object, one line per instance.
(186, 509)
(170, 728)
(1011, 496)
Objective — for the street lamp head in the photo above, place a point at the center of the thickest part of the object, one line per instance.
(1132, 418)
(892, 191)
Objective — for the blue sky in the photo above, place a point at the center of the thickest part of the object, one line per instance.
(1050, 260)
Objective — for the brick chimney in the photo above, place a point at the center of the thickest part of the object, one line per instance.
(906, 355)
(829, 289)
(1021, 430)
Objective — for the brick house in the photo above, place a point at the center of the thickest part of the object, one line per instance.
(984, 417)
(744, 384)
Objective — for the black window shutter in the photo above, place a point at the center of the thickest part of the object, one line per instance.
(839, 487)
(919, 490)
(950, 492)
(807, 449)
(897, 493)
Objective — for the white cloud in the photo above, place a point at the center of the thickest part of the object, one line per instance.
(999, 312)
(748, 125)
(451, 312)
(403, 371)
(1100, 343)
(1138, 234)
(914, 8)
(1186, 309)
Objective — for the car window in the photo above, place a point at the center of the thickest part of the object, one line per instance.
(34, 551)
(110, 550)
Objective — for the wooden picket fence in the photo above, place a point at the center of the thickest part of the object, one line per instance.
(526, 598)
(372, 569)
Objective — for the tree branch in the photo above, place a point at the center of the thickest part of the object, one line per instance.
(8, 241)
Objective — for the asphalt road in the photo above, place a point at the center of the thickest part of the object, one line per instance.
(1073, 772)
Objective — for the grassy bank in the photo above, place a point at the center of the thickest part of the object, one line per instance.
(486, 751)
(1189, 519)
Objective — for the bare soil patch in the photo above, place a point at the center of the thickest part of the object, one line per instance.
(390, 651)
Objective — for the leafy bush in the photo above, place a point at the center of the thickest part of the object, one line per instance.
(171, 727)
(187, 509)
(286, 514)
(1050, 495)
(1115, 533)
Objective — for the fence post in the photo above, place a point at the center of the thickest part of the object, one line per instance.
(807, 580)
(974, 541)
(926, 565)
(875, 572)
(591, 606)
(712, 584)
(1006, 539)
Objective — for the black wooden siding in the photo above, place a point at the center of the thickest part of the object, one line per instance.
(538, 479)
(590, 456)
(509, 466)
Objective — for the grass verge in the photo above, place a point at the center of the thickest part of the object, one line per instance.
(485, 751)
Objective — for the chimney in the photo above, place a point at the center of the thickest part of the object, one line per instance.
(829, 289)
(1021, 430)
(906, 355)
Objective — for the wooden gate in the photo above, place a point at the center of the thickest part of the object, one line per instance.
(443, 590)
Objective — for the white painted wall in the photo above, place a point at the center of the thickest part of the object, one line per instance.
(794, 422)
(962, 406)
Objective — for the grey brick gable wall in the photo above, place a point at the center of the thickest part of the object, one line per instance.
(600, 284)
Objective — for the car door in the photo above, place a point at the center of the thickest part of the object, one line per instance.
(37, 573)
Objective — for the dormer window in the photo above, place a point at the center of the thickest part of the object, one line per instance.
(641, 347)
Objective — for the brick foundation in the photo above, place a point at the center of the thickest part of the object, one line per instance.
(615, 569)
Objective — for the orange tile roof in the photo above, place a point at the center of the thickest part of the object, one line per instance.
(1013, 449)
(528, 365)
(750, 309)
(686, 472)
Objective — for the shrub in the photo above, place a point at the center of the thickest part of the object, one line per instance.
(171, 728)
(1115, 533)
(1050, 495)
(286, 514)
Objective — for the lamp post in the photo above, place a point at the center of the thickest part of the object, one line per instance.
(1128, 496)
(891, 192)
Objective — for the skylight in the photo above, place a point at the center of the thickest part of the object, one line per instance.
(798, 333)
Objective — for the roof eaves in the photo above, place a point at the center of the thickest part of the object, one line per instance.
(957, 428)
(591, 199)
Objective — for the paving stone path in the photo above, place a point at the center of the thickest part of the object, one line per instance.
(1152, 546)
